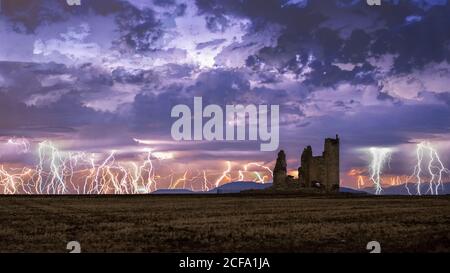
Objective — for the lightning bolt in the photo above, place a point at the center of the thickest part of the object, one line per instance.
(22, 143)
(224, 175)
(258, 178)
(379, 157)
(205, 182)
(360, 181)
(180, 180)
(429, 165)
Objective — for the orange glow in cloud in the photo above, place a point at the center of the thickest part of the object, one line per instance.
(359, 179)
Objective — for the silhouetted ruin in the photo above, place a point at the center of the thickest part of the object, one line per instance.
(315, 171)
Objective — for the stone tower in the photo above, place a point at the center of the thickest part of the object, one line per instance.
(280, 171)
(305, 166)
(331, 156)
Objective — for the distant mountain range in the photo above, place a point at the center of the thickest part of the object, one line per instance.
(350, 190)
(233, 187)
(239, 186)
(173, 191)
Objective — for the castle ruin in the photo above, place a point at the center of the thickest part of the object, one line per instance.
(314, 172)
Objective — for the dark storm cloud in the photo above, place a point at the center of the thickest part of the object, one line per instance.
(92, 76)
(304, 36)
(68, 113)
(212, 43)
(150, 113)
(384, 126)
(220, 86)
(355, 49)
(45, 68)
(139, 29)
(329, 75)
(413, 53)
(28, 15)
(445, 97)
(33, 106)
(304, 33)
(225, 87)
(124, 76)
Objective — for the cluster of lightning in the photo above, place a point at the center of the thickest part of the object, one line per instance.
(429, 170)
(62, 172)
(379, 158)
(428, 176)
(59, 172)
(253, 171)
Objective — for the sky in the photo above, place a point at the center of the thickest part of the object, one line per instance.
(98, 81)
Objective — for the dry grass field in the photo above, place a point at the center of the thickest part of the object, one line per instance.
(258, 223)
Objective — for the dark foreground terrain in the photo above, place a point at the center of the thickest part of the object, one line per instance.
(224, 223)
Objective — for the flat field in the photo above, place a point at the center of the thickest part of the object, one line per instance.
(224, 223)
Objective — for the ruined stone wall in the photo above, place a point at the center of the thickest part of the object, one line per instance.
(323, 169)
(317, 170)
(314, 169)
